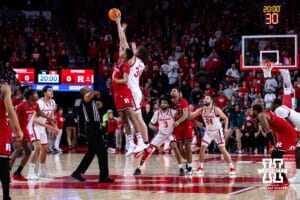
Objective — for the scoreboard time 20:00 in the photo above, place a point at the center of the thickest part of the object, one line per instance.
(48, 78)
(272, 14)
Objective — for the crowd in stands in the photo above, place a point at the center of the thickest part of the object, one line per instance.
(30, 42)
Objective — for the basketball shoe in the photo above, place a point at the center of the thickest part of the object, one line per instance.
(19, 177)
(131, 149)
(189, 171)
(139, 148)
(137, 172)
(181, 172)
(32, 176)
(200, 171)
(232, 171)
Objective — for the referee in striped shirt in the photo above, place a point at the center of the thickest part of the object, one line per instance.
(94, 137)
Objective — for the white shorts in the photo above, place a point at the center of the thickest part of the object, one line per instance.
(39, 134)
(160, 139)
(216, 135)
(137, 99)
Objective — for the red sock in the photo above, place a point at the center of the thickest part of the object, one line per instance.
(148, 152)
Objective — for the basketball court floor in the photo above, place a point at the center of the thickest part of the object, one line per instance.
(159, 180)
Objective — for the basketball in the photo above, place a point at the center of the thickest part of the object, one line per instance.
(113, 13)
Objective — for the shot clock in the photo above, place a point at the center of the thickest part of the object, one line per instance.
(272, 13)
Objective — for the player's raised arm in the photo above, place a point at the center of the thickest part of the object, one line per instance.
(122, 37)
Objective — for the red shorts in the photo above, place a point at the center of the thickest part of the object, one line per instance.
(26, 136)
(287, 142)
(123, 100)
(184, 132)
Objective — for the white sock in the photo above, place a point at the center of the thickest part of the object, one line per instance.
(57, 140)
(189, 164)
(201, 165)
(180, 166)
(297, 172)
(31, 168)
(231, 165)
(139, 138)
(42, 167)
(130, 139)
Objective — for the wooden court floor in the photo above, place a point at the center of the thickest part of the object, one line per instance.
(159, 180)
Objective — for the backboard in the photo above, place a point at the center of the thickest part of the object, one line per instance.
(280, 50)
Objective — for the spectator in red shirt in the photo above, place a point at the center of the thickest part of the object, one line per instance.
(210, 91)
(194, 65)
(103, 68)
(14, 60)
(111, 127)
(249, 78)
(257, 86)
(93, 52)
(36, 57)
(60, 124)
(244, 89)
(53, 60)
(221, 100)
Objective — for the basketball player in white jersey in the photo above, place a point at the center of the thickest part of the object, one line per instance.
(162, 121)
(293, 118)
(136, 69)
(39, 138)
(211, 116)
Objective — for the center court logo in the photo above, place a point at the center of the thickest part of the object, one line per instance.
(272, 169)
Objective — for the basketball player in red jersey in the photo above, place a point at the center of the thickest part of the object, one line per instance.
(137, 67)
(6, 106)
(281, 133)
(25, 111)
(122, 93)
(183, 128)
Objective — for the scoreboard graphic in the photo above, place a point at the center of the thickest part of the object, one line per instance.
(62, 80)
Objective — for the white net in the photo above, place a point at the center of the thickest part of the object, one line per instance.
(267, 68)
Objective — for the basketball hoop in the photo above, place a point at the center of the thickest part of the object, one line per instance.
(267, 68)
